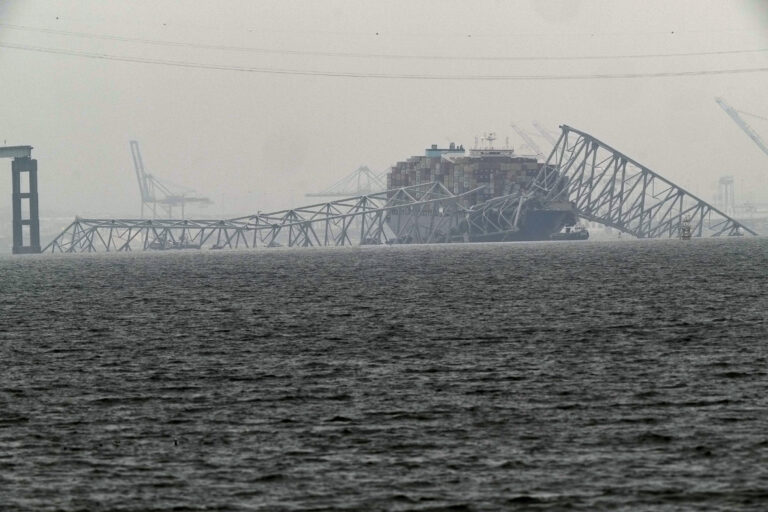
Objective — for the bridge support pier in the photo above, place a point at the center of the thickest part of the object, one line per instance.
(26, 230)
(26, 220)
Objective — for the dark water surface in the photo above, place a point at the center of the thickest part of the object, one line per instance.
(585, 376)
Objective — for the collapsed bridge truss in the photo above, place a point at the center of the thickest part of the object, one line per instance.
(604, 185)
(353, 221)
(608, 187)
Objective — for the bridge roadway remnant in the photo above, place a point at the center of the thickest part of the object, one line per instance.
(351, 221)
(24, 166)
(601, 183)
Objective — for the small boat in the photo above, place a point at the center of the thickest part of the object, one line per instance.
(576, 233)
(169, 245)
(685, 229)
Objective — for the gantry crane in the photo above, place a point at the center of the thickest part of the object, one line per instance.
(150, 187)
(359, 182)
(544, 133)
(528, 141)
(751, 133)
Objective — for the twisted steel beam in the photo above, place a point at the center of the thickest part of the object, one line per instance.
(350, 221)
(603, 184)
(608, 187)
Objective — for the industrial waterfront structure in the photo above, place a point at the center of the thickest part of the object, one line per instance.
(361, 181)
(736, 116)
(751, 213)
(156, 196)
(582, 178)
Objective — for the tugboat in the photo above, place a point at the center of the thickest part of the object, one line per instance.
(685, 229)
(575, 233)
(169, 245)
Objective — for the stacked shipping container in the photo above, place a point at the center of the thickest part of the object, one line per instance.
(501, 172)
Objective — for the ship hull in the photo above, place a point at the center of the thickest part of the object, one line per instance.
(536, 225)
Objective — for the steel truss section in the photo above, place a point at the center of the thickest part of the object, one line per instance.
(351, 221)
(363, 219)
(117, 235)
(496, 216)
(608, 187)
(603, 184)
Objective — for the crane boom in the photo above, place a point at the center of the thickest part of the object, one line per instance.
(751, 133)
(151, 187)
(544, 133)
(528, 140)
(141, 176)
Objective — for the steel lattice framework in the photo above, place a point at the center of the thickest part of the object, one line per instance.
(352, 221)
(608, 187)
(362, 219)
(602, 184)
(108, 235)
(361, 181)
(498, 215)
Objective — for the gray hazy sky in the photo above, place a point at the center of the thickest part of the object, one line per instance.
(259, 141)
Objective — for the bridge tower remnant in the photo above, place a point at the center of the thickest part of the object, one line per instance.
(26, 228)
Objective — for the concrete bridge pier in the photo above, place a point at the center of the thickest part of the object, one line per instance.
(26, 220)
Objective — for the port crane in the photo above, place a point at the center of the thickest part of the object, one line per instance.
(544, 133)
(745, 127)
(156, 194)
(359, 182)
(528, 141)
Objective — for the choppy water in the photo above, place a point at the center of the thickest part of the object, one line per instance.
(622, 375)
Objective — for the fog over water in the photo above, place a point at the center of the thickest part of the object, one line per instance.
(259, 141)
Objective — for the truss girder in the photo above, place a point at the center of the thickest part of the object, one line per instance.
(496, 216)
(348, 221)
(603, 184)
(608, 187)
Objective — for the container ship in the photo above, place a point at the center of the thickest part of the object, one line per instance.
(500, 173)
